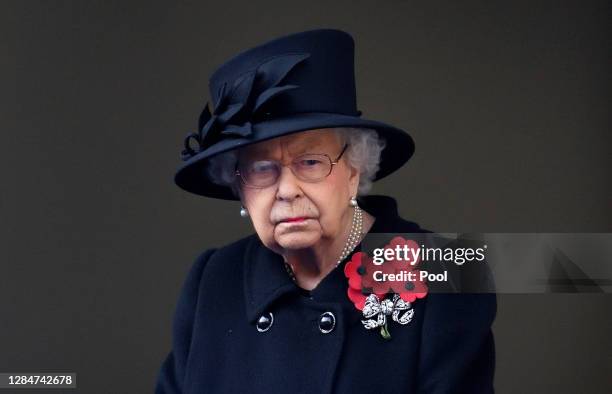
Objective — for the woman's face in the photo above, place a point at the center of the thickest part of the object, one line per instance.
(292, 213)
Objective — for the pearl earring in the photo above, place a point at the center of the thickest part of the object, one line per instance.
(353, 202)
(243, 212)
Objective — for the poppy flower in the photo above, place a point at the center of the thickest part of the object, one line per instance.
(396, 275)
(355, 270)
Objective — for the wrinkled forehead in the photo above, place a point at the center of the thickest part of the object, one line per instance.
(319, 141)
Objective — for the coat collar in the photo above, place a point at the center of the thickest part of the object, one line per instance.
(265, 278)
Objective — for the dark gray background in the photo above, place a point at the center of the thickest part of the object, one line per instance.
(508, 105)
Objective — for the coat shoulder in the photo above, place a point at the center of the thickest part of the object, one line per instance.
(232, 251)
(225, 267)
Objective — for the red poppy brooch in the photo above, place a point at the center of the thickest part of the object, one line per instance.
(385, 289)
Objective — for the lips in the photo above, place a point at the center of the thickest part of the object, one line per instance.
(296, 219)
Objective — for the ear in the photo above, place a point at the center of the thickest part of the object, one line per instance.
(354, 173)
(238, 190)
(354, 176)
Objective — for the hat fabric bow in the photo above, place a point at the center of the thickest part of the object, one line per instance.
(238, 105)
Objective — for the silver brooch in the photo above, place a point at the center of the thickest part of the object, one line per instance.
(376, 311)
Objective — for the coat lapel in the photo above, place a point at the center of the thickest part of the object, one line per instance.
(265, 279)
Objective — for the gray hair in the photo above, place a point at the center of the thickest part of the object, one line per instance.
(363, 153)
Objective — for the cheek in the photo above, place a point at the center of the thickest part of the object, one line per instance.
(330, 220)
(259, 205)
(338, 189)
(262, 226)
(332, 203)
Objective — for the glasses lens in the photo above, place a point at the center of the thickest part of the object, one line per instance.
(312, 167)
(259, 173)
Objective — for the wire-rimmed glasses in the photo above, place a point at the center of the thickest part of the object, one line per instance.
(310, 167)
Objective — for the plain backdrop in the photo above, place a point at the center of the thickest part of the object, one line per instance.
(509, 105)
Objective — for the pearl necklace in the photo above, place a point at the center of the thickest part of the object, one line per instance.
(353, 240)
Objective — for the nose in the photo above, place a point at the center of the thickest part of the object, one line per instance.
(288, 185)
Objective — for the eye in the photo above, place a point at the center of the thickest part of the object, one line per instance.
(310, 162)
(262, 167)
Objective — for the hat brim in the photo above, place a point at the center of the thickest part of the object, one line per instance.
(399, 148)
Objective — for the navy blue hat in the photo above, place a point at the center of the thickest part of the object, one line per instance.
(294, 83)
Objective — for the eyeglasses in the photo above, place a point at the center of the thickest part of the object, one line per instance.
(308, 168)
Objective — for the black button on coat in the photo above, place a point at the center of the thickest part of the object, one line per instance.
(448, 346)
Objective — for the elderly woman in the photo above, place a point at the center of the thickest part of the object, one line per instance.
(276, 311)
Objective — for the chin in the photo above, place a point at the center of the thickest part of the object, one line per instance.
(295, 241)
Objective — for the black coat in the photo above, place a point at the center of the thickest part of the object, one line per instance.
(447, 348)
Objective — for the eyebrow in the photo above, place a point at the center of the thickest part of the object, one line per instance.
(316, 148)
(308, 145)
(265, 154)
